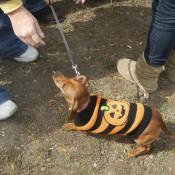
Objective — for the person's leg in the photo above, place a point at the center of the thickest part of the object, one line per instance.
(161, 36)
(42, 12)
(33, 5)
(159, 45)
(146, 70)
(7, 106)
(11, 46)
(170, 61)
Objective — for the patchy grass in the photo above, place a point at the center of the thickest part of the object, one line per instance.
(99, 33)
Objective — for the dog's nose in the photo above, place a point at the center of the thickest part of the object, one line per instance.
(56, 72)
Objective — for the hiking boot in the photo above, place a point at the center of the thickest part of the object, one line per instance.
(141, 73)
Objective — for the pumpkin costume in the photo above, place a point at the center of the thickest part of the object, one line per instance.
(106, 116)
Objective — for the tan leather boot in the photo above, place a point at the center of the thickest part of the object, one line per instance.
(141, 73)
(170, 67)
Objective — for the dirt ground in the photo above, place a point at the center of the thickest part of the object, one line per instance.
(99, 33)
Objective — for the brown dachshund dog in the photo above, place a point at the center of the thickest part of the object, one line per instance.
(105, 116)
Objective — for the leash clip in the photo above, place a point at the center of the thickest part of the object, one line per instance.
(74, 67)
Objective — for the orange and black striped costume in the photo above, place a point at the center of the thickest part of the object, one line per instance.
(104, 116)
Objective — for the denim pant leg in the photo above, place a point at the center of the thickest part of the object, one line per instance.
(34, 5)
(161, 36)
(10, 45)
(4, 96)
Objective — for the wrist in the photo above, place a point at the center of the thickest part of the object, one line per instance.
(16, 11)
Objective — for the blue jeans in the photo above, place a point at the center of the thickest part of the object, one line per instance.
(4, 95)
(161, 36)
(10, 45)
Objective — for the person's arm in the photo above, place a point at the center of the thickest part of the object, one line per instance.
(24, 24)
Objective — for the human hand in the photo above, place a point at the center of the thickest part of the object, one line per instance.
(79, 1)
(26, 27)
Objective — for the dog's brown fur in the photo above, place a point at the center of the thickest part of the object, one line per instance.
(76, 94)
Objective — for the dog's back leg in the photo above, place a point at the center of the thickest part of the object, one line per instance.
(149, 135)
(139, 151)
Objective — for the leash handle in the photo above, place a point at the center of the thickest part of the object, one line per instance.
(74, 66)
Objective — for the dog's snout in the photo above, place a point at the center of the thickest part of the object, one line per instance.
(57, 74)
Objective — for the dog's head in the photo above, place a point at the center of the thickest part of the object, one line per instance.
(73, 89)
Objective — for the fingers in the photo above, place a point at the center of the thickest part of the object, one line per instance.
(80, 1)
(77, 1)
(30, 42)
(37, 36)
(39, 31)
(35, 39)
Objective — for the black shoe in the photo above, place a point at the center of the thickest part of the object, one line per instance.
(45, 16)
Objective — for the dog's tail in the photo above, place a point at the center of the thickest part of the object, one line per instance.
(166, 131)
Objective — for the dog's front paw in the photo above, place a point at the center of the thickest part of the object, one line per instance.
(69, 126)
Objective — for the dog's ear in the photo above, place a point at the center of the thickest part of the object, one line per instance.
(82, 79)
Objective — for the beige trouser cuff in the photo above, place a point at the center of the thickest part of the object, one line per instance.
(8, 6)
